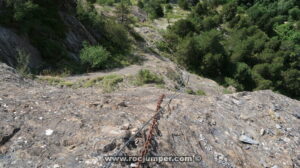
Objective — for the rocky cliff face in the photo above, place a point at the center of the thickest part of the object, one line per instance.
(45, 126)
(10, 46)
(11, 42)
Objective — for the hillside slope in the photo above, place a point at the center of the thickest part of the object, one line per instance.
(46, 126)
(73, 121)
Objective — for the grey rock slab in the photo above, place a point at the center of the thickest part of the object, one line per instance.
(248, 140)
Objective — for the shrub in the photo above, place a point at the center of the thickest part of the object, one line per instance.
(23, 64)
(145, 76)
(162, 46)
(232, 82)
(95, 57)
(226, 91)
(190, 91)
(56, 81)
(92, 82)
(200, 93)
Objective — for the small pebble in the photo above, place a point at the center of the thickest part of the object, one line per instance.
(262, 132)
(278, 126)
(49, 132)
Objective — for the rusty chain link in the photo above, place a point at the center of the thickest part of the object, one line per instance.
(153, 126)
(159, 110)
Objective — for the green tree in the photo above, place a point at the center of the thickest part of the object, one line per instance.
(122, 12)
(200, 9)
(244, 76)
(295, 13)
(188, 53)
(291, 80)
(183, 27)
(229, 11)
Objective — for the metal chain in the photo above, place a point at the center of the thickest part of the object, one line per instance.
(175, 95)
(153, 126)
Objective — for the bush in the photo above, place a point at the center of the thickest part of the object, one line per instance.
(95, 57)
(232, 82)
(162, 46)
(92, 82)
(145, 76)
(23, 64)
(200, 93)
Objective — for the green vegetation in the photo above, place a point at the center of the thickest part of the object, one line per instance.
(23, 64)
(145, 76)
(115, 47)
(40, 21)
(188, 4)
(56, 81)
(198, 92)
(111, 35)
(95, 57)
(249, 45)
(227, 91)
(152, 7)
(189, 91)
(92, 82)
(110, 82)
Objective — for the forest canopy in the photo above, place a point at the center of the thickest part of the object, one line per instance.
(251, 45)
